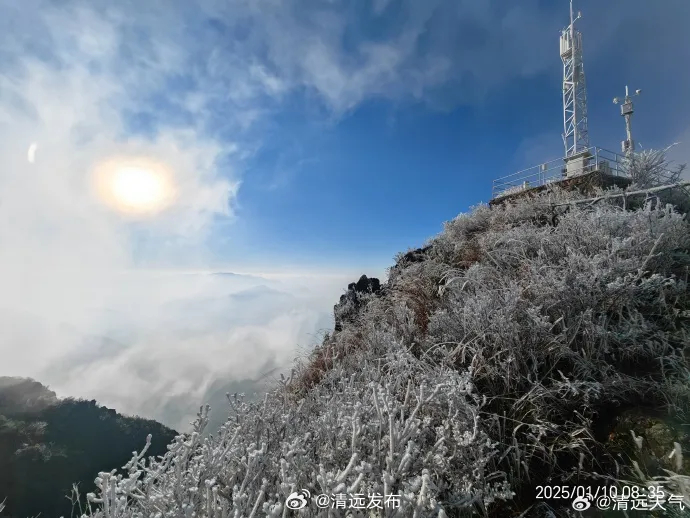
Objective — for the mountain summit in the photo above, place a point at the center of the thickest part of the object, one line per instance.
(539, 343)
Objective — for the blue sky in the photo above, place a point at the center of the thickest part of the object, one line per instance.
(308, 142)
(360, 125)
(359, 156)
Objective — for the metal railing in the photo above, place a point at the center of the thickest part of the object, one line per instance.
(592, 159)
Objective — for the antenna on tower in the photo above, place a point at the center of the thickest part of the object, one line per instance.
(575, 131)
(628, 145)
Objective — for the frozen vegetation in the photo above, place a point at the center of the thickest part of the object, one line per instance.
(542, 342)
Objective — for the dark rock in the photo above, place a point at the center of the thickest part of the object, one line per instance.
(365, 285)
(417, 255)
(351, 301)
(658, 433)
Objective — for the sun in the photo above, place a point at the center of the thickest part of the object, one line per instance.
(134, 186)
(138, 188)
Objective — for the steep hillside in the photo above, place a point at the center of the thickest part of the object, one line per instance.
(526, 345)
(47, 444)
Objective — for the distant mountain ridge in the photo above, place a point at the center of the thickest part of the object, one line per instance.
(47, 444)
(19, 395)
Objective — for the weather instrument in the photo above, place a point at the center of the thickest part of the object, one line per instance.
(628, 145)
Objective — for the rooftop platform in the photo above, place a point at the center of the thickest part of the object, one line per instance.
(594, 167)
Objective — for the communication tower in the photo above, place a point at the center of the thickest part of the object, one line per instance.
(582, 166)
(575, 134)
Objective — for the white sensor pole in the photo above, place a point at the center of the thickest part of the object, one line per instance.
(628, 145)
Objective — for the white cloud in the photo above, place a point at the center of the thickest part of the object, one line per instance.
(158, 344)
(88, 81)
(74, 311)
(434, 44)
(182, 335)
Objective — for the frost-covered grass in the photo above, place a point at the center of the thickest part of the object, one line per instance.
(561, 325)
(496, 364)
(513, 190)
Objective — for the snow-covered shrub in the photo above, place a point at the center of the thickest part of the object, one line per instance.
(416, 289)
(513, 190)
(651, 168)
(497, 361)
(390, 425)
(558, 323)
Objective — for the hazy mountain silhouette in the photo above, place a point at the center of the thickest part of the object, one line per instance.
(47, 444)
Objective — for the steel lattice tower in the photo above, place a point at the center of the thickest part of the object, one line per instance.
(576, 135)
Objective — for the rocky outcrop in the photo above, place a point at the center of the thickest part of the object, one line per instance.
(417, 255)
(351, 301)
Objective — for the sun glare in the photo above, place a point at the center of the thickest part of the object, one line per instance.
(134, 186)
